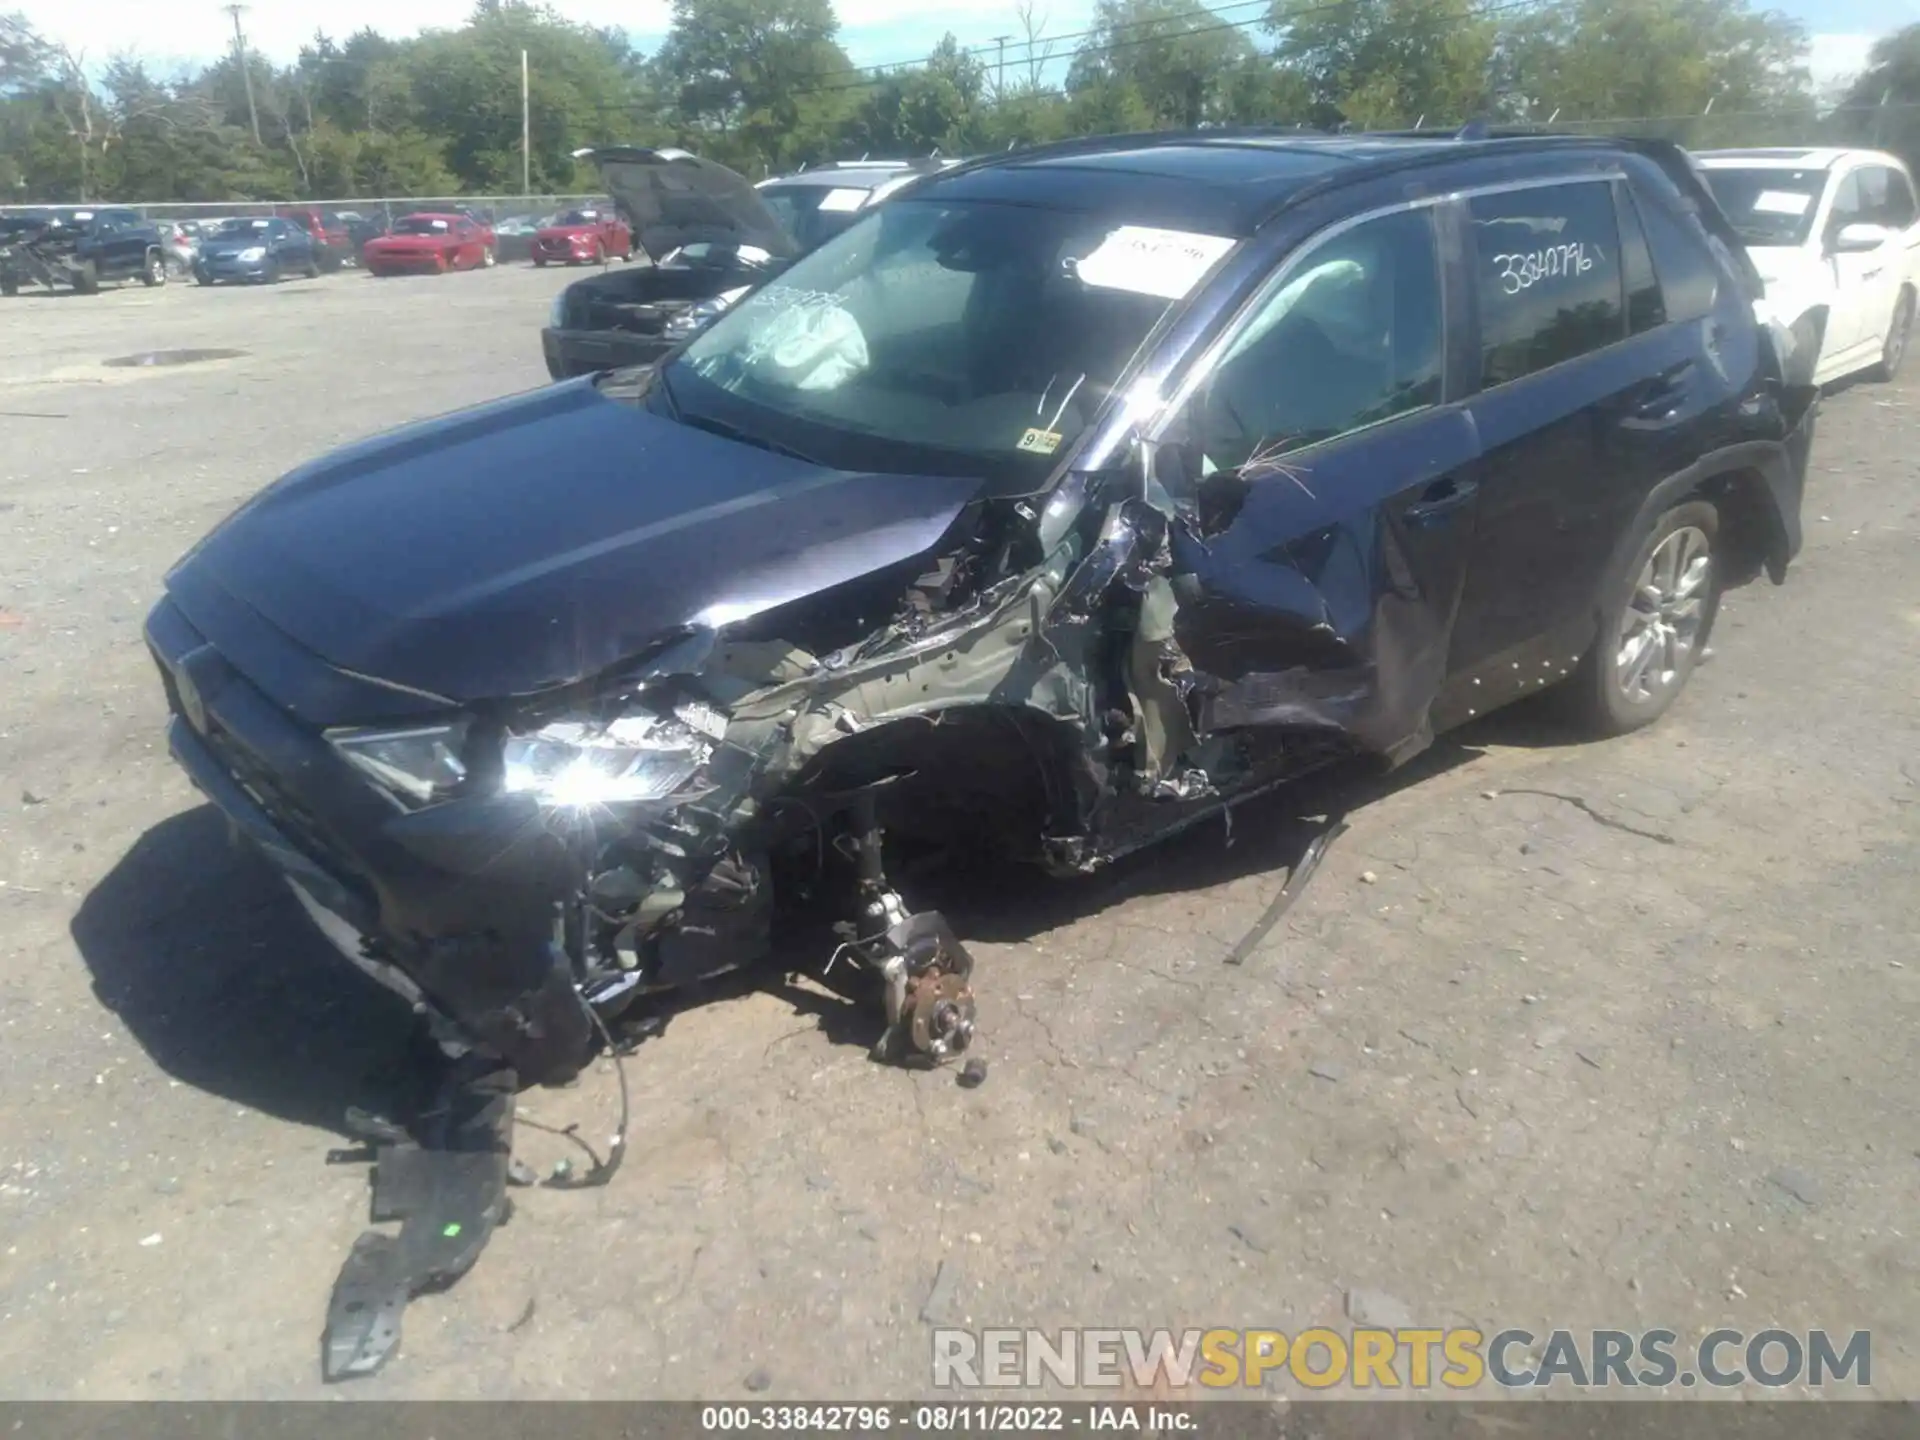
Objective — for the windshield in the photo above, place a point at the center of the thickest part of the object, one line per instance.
(945, 336)
(579, 217)
(237, 228)
(1769, 205)
(812, 214)
(419, 225)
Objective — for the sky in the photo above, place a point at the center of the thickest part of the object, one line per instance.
(181, 33)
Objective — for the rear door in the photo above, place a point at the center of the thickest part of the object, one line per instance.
(1331, 493)
(1586, 393)
(122, 248)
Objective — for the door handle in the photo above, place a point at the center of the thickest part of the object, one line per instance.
(1665, 394)
(1439, 501)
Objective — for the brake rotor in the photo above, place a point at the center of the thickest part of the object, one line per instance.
(943, 1014)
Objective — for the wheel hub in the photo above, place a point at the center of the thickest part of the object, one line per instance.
(1664, 616)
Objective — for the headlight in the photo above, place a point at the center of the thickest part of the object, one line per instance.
(416, 764)
(252, 252)
(573, 762)
(701, 313)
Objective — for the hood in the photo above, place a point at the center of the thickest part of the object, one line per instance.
(1776, 262)
(675, 198)
(541, 539)
(410, 242)
(233, 244)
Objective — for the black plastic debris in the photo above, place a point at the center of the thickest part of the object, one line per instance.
(446, 1185)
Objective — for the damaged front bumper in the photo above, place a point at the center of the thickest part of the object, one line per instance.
(455, 904)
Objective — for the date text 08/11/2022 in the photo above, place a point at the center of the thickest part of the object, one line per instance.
(945, 1419)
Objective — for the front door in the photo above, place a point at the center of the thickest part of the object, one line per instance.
(1330, 495)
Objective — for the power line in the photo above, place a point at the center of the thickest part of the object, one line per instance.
(1506, 6)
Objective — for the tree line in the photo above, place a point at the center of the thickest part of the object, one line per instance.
(767, 87)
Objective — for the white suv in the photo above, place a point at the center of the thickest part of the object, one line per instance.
(1835, 236)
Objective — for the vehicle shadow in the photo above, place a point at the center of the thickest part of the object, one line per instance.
(206, 956)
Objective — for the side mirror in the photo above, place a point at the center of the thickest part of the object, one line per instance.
(1858, 238)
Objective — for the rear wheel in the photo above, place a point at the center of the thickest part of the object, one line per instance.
(1654, 625)
(155, 271)
(1894, 350)
(312, 270)
(540, 262)
(86, 278)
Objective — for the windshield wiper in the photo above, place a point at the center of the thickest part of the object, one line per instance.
(746, 437)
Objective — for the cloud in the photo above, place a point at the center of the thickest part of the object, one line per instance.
(1833, 60)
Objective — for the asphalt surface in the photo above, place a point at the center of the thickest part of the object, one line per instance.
(1561, 1035)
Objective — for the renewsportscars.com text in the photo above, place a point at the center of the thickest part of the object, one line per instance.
(1408, 1358)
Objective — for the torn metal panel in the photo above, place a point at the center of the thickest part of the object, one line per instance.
(1324, 597)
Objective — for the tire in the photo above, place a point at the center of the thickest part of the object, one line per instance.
(86, 279)
(203, 279)
(1607, 694)
(539, 262)
(271, 275)
(312, 270)
(155, 272)
(1894, 350)
(9, 288)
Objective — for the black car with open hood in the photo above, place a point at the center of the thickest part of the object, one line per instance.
(1063, 502)
(711, 235)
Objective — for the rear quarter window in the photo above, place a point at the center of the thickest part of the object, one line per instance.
(1547, 276)
(1689, 276)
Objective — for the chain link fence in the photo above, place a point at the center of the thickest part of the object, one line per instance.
(384, 208)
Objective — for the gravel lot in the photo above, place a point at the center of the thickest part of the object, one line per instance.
(1561, 1035)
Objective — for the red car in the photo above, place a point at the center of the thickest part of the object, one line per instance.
(583, 237)
(429, 244)
(332, 245)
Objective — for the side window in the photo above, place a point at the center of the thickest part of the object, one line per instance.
(1547, 276)
(1689, 277)
(1901, 211)
(1348, 335)
(1646, 306)
(1886, 197)
(1848, 208)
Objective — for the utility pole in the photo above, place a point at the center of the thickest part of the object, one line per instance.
(526, 132)
(1000, 69)
(246, 66)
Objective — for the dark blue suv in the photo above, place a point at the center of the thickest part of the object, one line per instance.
(1063, 502)
(1067, 499)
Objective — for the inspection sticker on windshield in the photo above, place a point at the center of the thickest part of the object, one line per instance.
(1781, 202)
(1039, 442)
(843, 200)
(1167, 263)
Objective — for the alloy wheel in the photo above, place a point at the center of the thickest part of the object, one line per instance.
(1662, 622)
